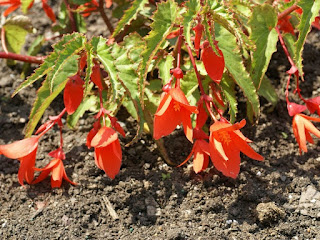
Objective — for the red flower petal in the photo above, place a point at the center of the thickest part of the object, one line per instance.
(213, 63)
(73, 94)
(48, 11)
(19, 149)
(104, 137)
(96, 76)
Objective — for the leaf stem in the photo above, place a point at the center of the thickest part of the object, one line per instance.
(105, 17)
(287, 11)
(71, 17)
(23, 58)
(3, 40)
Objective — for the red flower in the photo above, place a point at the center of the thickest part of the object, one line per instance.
(285, 25)
(198, 29)
(173, 110)
(313, 105)
(226, 143)
(25, 151)
(15, 4)
(107, 151)
(200, 150)
(58, 173)
(213, 63)
(73, 94)
(302, 127)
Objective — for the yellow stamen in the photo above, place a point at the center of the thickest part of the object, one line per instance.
(176, 106)
(224, 137)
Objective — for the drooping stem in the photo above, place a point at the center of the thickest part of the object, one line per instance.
(288, 11)
(203, 94)
(71, 17)
(23, 58)
(105, 17)
(283, 45)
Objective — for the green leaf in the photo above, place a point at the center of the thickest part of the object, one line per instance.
(310, 10)
(16, 29)
(103, 52)
(129, 15)
(268, 92)
(163, 21)
(228, 88)
(71, 49)
(89, 51)
(79, 2)
(262, 22)
(25, 4)
(193, 7)
(85, 105)
(189, 85)
(235, 66)
(45, 96)
(47, 65)
(165, 65)
(80, 22)
(289, 40)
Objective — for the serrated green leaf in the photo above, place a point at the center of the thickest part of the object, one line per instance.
(45, 96)
(189, 85)
(235, 66)
(16, 29)
(289, 40)
(25, 4)
(89, 51)
(104, 54)
(310, 9)
(165, 65)
(47, 65)
(268, 92)
(228, 88)
(85, 105)
(129, 15)
(193, 7)
(163, 21)
(71, 49)
(262, 22)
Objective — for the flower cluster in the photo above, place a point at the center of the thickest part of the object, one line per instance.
(225, 140)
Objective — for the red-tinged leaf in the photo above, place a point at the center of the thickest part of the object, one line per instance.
(48, 11)
(73, 94)
(213, 63)
(96, 76)
(198, 35)
(294, 108)
(20, 148)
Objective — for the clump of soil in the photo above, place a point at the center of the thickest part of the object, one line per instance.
(149, 199)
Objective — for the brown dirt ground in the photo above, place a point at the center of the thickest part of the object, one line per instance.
(153, 200)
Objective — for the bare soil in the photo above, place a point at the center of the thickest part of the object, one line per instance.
(278, 198)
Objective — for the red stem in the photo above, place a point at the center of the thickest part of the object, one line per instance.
(71, 17)
(287, 11)
(105, 17)
(23, 58)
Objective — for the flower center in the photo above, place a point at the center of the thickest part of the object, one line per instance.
(225, 137)
(176, 106)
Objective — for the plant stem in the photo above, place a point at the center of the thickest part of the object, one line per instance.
(23, 58)
(3, 40)
(159, 142)
(105, 17)
(71, 17)
(288, 11)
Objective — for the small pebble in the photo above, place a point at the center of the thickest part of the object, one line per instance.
(258, 173)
